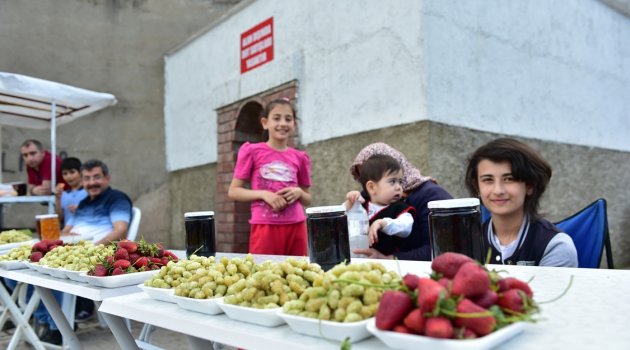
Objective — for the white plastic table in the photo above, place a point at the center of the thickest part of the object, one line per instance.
(594, 314)
(44, 284)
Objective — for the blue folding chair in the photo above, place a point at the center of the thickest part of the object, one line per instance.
(589, 230)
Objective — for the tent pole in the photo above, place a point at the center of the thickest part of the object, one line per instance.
(53, 149)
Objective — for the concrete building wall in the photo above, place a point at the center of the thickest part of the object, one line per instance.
(435, 79)
(112, 46)
(541, 69)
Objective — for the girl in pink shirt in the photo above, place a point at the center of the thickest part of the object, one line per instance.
(280, 178)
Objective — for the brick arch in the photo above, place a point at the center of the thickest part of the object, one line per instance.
(238, 123)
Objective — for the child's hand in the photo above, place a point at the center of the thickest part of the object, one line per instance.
(276, 201)
(352, 197)
(290, 194)
(72, 208)
(373, 231)
(59, 190)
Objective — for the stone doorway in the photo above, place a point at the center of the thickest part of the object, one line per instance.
(238, 123)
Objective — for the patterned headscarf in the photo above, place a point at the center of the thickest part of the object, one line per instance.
(411, 175)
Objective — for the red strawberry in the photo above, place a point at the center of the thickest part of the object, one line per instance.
(488, 299)
(392, 309)
(170, 255)
(515, 300)
(449, 263)
(35, 256)
(480, 325)
(445, 282)
(438, 327)
(402, 329)
(155, 261)
(52, 246)
(57, 242)
(40, 247)
(143, 261)
(429, 293)
(121, 254)
(470, 281)
(100, 270)
(110, 260)
(123, 264)
(129, 246)
(165, 260)
(134, 256)
(511, 283)
(411, 281)
(415, 321)
(117, 271)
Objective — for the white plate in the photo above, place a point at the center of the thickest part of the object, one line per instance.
(75, 275)
(161, 294)
(53, 271)
(327, 329)
(124, 280)
(412, 342)
(204, 306)
(13, 264)
(261, 317)
(35, 266)
(8, 246)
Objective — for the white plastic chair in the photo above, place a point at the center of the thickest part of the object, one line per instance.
(134, 225)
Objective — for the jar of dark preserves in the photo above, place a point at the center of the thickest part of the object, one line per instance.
(455, 226)
(200, 235)
(328, 242)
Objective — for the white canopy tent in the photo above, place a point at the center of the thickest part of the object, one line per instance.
(28, 102)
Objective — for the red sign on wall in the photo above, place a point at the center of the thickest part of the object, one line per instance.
(257, 45)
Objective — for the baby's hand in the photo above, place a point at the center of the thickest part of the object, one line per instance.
(352, 197)
(373, 231)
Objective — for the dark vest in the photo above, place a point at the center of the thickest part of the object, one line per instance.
(531, 248)
(390, 244)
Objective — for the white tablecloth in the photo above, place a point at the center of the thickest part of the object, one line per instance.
(594, 314)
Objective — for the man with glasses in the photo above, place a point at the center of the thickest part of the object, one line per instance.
(104, 215)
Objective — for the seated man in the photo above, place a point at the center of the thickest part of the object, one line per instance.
(38, 166)
(104, 215)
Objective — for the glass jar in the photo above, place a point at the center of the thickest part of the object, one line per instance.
(200, 233)
(328, 241)
(455, 226)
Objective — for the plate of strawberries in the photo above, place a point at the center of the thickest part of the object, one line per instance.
(132, 263)
(461, 305)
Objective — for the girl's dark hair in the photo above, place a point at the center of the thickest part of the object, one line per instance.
(270, 106)
(376, 167)
(528, 166)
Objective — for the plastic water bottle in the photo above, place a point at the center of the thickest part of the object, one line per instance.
(358, 224)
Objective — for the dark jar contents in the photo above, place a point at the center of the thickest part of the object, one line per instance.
(200, 233)
(328, 240)
(455, 226)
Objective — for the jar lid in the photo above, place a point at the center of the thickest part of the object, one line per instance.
(326, 209)
(191, 214)
(46, 216)
(453, 203)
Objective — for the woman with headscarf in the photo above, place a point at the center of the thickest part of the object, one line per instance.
(419, 190)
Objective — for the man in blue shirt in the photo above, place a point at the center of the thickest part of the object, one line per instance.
(105, 214)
